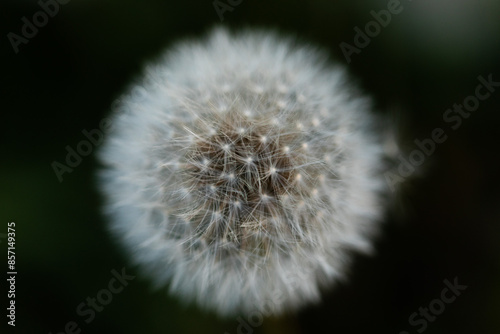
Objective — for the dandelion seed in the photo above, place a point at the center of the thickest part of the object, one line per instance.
(281, 104)
(282, 88)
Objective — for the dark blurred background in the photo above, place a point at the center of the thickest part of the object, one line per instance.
(445, 223)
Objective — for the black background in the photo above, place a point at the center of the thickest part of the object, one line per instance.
(445, 223)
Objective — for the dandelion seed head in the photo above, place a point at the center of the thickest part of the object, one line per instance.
(248, 167)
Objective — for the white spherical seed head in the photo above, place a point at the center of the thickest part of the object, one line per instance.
(246, 175)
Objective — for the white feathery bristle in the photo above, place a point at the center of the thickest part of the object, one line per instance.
(247, 169)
